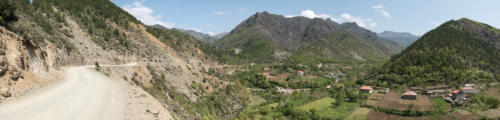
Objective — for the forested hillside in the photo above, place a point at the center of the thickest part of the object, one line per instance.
(266, 38)
(457, 52)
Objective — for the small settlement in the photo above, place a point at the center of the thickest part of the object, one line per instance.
(417, 96)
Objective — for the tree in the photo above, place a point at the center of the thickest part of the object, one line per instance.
(97, 66)
(7, 9)
(339, 97)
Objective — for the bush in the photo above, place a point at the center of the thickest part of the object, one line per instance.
(7, 12)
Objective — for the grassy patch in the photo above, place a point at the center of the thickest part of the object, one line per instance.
(321, 81)
(320, 104)
(440, 104)
(339, 112)
(359, 114)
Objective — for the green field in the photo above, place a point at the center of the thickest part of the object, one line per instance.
(440, 104)
(320, 104)
(327, 110)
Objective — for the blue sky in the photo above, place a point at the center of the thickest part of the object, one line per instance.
(216, 16)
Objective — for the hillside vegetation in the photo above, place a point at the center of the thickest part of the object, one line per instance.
(457, 52)
(268, 38)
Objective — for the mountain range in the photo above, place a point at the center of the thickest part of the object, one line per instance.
(266, 37)
(402, 38)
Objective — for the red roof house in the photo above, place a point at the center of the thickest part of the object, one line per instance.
(300, 72)
(468, 90)
(366, 89)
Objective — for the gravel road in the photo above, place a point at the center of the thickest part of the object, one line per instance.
(83, 94)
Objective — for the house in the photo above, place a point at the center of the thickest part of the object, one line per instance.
(266, 69)
(457, 95)
(300, 72)
(265, 74)
(320, 65)
(469, 90)
(366, 89)
(410, 95)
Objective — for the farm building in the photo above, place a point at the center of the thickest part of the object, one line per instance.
(300, 72)
(469, 90)
(457, 95)
(265, 74)
(366, 89)
(410, 95)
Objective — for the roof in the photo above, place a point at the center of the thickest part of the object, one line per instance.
(468, 88)
(410, 93)
(455, 91)
(366, 88)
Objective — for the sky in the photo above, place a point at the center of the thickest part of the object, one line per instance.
(217, 16)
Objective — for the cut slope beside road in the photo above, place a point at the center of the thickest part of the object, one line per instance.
(84, 94)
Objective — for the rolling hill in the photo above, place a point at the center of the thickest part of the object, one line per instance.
(457, 52)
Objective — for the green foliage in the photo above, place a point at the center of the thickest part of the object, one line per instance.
(341, 47)
(447, 54)
(97, 66)
(440, 104)
(7, 12)
(482, 102)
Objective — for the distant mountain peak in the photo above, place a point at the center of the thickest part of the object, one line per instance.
(267, 37)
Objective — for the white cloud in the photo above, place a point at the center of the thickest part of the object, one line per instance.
(345, 17)
(201, 31)
(311, 14)
(220, 12)
(363, 22)
(379, 9)
(434, 23)
(194, 29)
(211, 33)
(146, 14)
(210, 25)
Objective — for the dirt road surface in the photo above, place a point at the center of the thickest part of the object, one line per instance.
(83, 94)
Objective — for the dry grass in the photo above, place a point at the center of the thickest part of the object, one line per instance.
(393, 100)
(492, 113)
(465, 115)
(374, 99)
(359, 114)
(281, 77)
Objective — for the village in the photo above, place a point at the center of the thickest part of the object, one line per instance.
(398, 102)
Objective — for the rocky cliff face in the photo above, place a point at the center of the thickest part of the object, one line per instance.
(13, 61)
